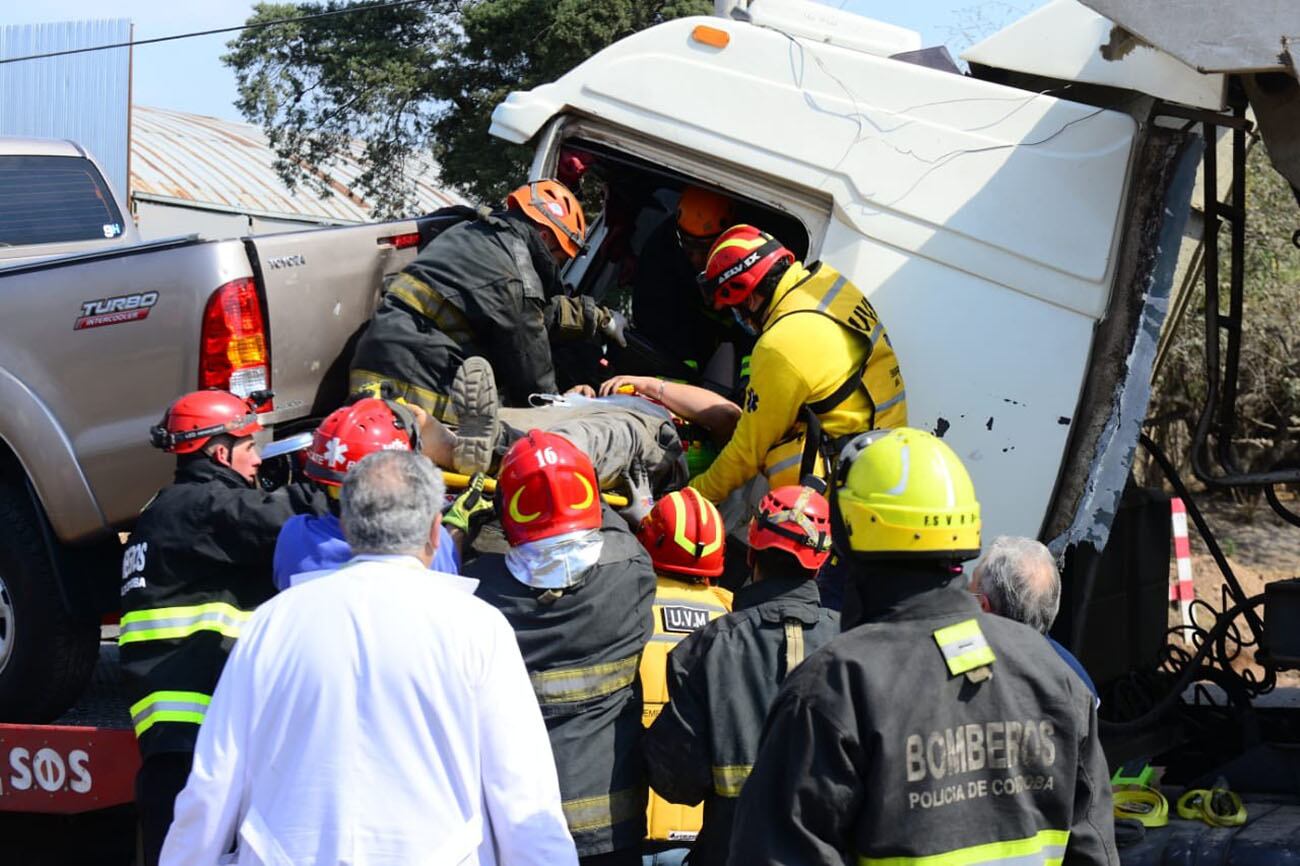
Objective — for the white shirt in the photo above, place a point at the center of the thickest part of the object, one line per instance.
(371, 717)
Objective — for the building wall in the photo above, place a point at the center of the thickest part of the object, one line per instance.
(83, 97)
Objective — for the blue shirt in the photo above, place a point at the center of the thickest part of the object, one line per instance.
(1074, 664)
(310, 543)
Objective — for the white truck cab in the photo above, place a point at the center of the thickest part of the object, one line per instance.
(1008, 237)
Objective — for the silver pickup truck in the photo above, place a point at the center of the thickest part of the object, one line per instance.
(98, 333)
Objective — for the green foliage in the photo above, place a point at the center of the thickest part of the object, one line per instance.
(416, 82)
(1268, 405)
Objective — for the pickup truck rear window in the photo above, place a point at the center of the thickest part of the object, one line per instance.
(54, 199)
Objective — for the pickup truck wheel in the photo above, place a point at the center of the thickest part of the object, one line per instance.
(46, 657)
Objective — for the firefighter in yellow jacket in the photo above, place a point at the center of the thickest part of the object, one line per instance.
(686, 539)
(823, 368)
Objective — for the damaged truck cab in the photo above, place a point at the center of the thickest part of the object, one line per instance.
(1018, 236)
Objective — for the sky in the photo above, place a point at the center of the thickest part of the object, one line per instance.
(188, 75)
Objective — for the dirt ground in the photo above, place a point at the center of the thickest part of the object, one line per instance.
(1260, 548)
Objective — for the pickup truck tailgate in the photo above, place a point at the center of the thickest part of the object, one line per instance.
(321, 287)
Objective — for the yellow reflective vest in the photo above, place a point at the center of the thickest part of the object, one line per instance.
(824, 347)
(680, 607)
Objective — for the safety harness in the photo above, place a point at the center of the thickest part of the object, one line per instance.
(855, 313)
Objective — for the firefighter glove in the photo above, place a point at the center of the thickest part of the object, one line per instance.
(471, 509)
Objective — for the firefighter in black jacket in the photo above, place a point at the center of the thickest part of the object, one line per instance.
(723, 677)
(931, 732)
(197, 563)
(487, 286)
(578, 589)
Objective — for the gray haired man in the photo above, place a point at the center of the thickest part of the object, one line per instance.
(1017, 579)
(377, 712)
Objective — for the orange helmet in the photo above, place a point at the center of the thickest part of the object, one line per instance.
(546, 487)
(684, 534)
(353, 432)
(702, 214)
(794, 519)
(551, 205)
(738, 262)
(193, 419)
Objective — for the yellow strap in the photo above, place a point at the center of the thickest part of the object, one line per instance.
(727, 781)
(1217, 807)
(579, 684)
(1141, 803)
(1046, 847)
(457, 481)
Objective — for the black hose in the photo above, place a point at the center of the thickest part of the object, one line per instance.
(1188, 675)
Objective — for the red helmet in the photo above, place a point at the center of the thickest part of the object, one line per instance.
(740, 258)
(193, 419)
(552, 206)
(684, 534)
(794, 519)
(546, 487)
(353, 432)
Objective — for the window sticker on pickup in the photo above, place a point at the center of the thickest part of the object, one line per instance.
(115, 311)
(112, 230)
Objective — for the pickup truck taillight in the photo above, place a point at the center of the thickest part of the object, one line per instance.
(400, 242)
(233, 353)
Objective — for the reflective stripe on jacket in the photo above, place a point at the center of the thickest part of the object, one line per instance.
(680, 608)
(818, 334)
(197, 563)
(582, 650)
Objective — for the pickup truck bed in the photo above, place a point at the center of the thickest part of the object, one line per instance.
(93, 347)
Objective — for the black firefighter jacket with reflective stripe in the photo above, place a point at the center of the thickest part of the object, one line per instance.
(582, 652)
(721, 680)
(479, 288)
(197, 563)
(874, 751)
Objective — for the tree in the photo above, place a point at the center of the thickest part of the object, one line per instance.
(415, 82)
(1268, 403)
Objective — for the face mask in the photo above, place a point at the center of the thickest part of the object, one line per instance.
(743, 322)
(557, 562)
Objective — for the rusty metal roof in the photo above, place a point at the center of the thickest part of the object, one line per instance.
(212, 164)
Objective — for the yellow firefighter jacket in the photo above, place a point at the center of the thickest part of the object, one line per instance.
(824, 347)
(680, 607)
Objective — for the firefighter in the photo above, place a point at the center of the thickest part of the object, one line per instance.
(197, 563)
(723, 677)
(822, 361)
(687, 543)
(310, 543)
(489, 285)
(930, 731)
(665, 295)
(578, 588)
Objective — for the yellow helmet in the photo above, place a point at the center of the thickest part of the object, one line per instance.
(903, 493)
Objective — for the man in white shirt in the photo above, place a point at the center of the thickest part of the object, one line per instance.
(380, 714)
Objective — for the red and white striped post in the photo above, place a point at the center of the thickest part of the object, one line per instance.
(1182, 590)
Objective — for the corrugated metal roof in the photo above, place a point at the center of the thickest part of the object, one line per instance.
(82, 97)
(216, 164)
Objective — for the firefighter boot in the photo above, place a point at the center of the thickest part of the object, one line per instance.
(474, 400)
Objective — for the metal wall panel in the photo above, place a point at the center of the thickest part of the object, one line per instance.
(83, 97)
(179, 158)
